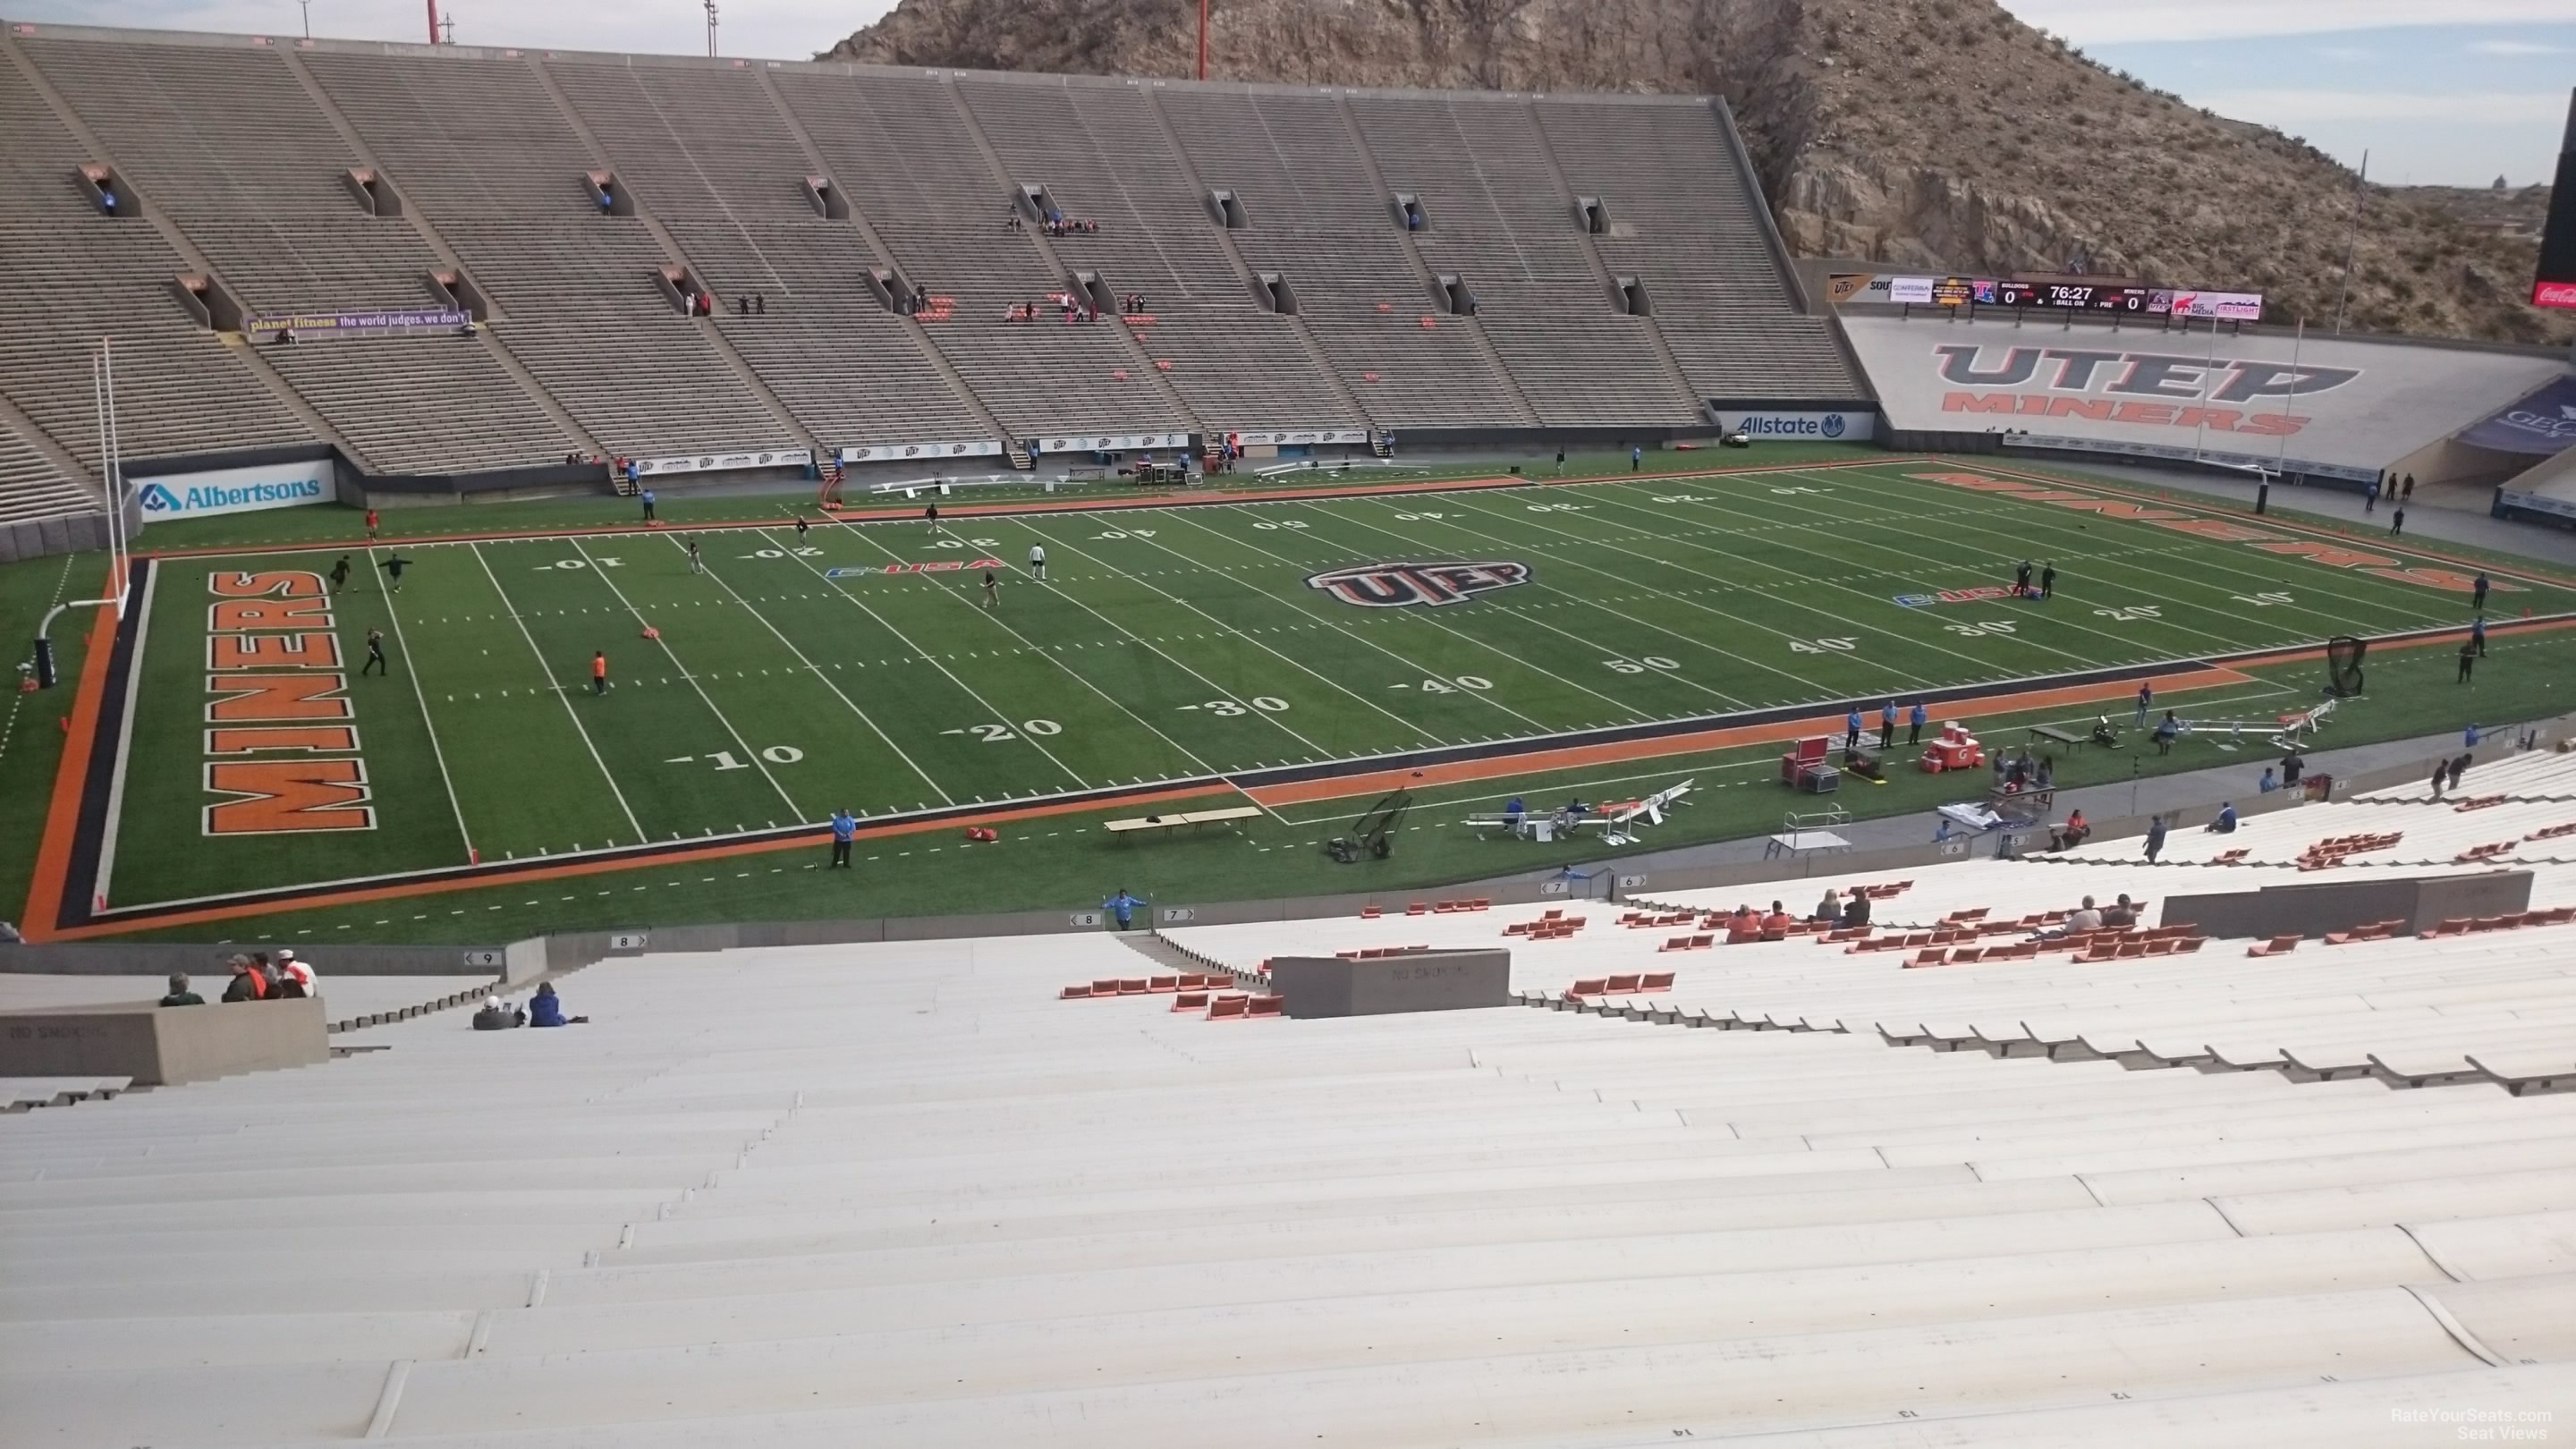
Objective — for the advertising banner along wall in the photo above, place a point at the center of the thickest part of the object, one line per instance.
(2331, 407)
(724, 462)
(1855, 426)
(324, 324)
(921, 452)
(2543, 424)
(1114, 443)
(235, 490)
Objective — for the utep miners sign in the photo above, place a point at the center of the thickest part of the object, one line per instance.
(1397, 585)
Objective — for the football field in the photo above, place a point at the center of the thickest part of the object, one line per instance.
(865, 665)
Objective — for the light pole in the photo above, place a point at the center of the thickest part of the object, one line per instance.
(711, 28)
(308, 17)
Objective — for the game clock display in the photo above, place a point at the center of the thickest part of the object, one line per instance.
(2081, 295)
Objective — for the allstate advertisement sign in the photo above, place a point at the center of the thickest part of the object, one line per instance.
(235, 490)
(1851, 427)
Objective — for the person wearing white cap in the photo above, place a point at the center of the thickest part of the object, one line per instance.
(498, 1015)
(289, 968)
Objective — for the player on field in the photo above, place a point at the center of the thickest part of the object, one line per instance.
(375, 652)
(2478, 592)
(599, 672)
(697, 565)
(340, 574)
(800, 528)
(1037, 562)
(2021, 580)
(992, 589)
(931, 516)
(371, 525)
(393, 568)
(2048, 581)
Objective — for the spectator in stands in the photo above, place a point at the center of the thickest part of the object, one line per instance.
(1011, 219)
(2459, 767)
(2292, 767)
(760, 304)
(2267, 784)
(2046, 777)
(287, 988)
(2225, 824)
(107, 200)
(498, 1015)
(2469, 736)
(1776, 922)
(1855, 910)
(285, 337)
(2088, 918)
(2155, 837)
(546, 1008)
(1121, 908)
(247, 984)
(2441, 776)
(2071, 834)
(180, 995)
(1830, 909)
(2409, 490)
(1743, 925)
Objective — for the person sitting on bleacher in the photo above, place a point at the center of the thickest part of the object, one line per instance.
(2121, 913)
(180, 995)
(2086, 918)
(1743, 925)
(1776, 923)
(2225, 824)
(498, 1015)
(2071, 834)
(546, 1008)
(247, 984)
(1830, 909)
(1855, 910)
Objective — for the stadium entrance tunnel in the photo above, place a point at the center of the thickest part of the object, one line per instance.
(1228, 210)
(826, 198)
(1594, 215)
(1632, 297)
(373, 193)
(1272, 291)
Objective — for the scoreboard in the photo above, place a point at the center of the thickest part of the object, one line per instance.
(2083, 296)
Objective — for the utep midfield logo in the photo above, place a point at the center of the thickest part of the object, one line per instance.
(1396, 585)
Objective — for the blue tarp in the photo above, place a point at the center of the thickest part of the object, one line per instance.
(2542, 424)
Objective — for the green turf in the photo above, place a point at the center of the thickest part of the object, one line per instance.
(1066, 862)
(31, 723)
(1168, 644)
(403, 519)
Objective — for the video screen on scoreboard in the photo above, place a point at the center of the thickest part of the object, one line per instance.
(2084, 296)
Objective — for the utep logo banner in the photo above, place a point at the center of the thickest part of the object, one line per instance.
(235, 490)
(1398, 585)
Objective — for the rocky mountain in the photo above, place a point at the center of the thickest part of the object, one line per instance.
(1931, 134)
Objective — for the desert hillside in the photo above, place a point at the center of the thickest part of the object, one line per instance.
(1939, 134)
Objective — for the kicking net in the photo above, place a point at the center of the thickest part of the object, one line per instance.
(2343, 664)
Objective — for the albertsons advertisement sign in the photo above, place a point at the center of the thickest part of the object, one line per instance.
(235, 490)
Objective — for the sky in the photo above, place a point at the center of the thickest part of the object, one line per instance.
(2451, 94)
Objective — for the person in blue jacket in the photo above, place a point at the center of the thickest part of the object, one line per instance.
(1851, 730)
(546, 1008)
(1121, 908)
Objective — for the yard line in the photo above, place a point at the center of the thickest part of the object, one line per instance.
(1407, 662)
(671, 654)
(2056, 522)
(1770, 520)
(944, 797)
(1224, 627)
(923, 654)
(1526, 620)
(1031, 646)
(426, 723)
(561, 694)
(1907, 639)
(1615, 613)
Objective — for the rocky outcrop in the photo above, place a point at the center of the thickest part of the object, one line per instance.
(1940, 134)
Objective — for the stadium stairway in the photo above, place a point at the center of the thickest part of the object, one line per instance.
(926, 1203)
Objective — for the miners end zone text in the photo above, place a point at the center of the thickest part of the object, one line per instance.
(1622, 604)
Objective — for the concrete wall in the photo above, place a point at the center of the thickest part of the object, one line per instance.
(2313, 910)
(161, 1047)
(1320, 986)
(161, 958)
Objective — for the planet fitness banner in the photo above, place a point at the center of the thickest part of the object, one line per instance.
(304, 324)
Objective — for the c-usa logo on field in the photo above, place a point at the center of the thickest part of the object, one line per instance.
(1396, 585)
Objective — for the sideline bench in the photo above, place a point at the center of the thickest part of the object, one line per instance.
(1172, 822)
(2068, 738)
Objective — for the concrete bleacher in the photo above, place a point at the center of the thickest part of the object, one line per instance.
(932, 1205)
(34, 487)
(240, 155)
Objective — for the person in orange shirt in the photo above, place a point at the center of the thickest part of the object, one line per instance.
(1778, 920)
(371, 525)
(599, 672)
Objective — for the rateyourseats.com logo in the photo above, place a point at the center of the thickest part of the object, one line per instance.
(160, 498)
